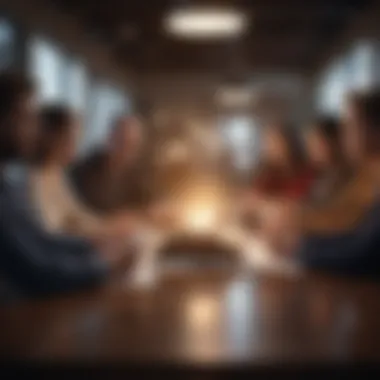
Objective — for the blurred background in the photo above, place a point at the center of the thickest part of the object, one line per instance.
(228, 67)
(205, 78)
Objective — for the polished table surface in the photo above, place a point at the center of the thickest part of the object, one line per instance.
(202, 318)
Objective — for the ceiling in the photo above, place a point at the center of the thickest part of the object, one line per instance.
(286, 41)
(287, 35)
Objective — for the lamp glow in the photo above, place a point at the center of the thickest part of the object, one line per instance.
(201, 209)
(205, 23)
(200, 219)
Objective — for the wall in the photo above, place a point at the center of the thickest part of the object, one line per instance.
(69, 66)
(279, 95)
(45, 19)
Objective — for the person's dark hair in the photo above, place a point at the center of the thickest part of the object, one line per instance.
(117, 122)
(291, 137)
(13, 87)
(355, 98)
(329, 128)
(297, 158)
(55, 120)
(371, 109)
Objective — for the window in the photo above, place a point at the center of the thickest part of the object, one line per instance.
(357, 70)
(76, 85)
(97, 116)
(242, 137)
(64, 79)
(333, 88)
(47, 65)
(106, 103)
(362, 57)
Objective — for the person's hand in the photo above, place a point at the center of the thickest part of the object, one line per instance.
(248, 208)
(249, 200)
(162, 213)
(116, 252)
(122, 225)
(280, 225)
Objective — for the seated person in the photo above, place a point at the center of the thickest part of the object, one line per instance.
(325, 152)
(343, 235)
(283, 178)
(59, 209)
(283, 171)
(348, 206)
(32, 261)
(112, 178)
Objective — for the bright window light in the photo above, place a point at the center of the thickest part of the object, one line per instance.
(205, 23)
(241, 135)
(47, 66)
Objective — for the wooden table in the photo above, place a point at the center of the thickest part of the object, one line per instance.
(202, 320)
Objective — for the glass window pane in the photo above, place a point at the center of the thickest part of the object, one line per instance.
(98, 115)
(47, 65)
(333, 88)
(241, 135)
(76, 85)
(355, 71)
(106, 104)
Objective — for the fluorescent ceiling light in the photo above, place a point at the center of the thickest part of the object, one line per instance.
(205, 22)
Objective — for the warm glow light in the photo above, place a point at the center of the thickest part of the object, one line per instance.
(200, 218)
(201, 312)
(201, 22)
(201, 207)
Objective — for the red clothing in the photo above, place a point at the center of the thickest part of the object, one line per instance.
(293, 186)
